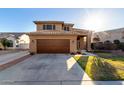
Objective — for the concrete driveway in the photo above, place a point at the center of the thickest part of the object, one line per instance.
(51, 69)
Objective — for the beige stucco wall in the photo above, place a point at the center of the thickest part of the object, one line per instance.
(39, 27)
(33, 42)
(88, 41)
(59, 27)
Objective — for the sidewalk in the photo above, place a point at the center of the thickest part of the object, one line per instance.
(12, 56)
(8, 60)
(90, 82)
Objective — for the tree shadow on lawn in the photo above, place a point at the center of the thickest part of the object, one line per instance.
(99, 70)
(103, 70)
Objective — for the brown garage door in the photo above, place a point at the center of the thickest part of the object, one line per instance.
(53, 46)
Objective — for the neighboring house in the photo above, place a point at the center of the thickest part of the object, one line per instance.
(111, 35)
(1, 46)
(24, 41)
(16, 40)
(58, 37)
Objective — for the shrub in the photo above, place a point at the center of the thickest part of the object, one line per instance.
(92, 46)
(5, 42)
(98, 45)
(114, 47)
(116, 41)
(32, 53)
(78, 52)
(108, 45)
(10, 43)
(72, 53)
(121, 46)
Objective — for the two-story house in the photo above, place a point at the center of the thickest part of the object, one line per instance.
(58, 37)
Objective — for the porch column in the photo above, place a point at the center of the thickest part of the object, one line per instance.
(73, 44)
(33, 44)
(88, 40)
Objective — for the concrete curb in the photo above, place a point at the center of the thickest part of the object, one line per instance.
(14, 62)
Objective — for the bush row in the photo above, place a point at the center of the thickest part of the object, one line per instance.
(108, 45)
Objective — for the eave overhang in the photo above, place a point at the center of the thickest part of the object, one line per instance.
(57, 33)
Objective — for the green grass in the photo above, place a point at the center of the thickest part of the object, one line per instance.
(104, 54)
(102, 69)
(118, 58)
(110, 56)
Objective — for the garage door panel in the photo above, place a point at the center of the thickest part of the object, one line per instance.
(53, 46)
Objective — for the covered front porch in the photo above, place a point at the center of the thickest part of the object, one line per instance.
(84, 42)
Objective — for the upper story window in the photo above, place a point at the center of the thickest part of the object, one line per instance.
(48, 27)
(66, 28)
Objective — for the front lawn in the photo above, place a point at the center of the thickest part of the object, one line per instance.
(111, 56)
(104, 54)
(102, 69)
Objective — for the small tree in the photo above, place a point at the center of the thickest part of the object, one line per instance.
(121, 46)
(108, 45)
(10, 43)
(5, 42)
(116, 41)
(92, 46)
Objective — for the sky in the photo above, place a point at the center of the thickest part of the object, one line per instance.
(99, 19)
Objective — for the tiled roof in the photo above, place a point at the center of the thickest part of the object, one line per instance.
(49, 32)
(62, 22)
(53, 22)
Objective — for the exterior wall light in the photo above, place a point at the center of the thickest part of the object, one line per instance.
(32, 41)
(73, 41)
